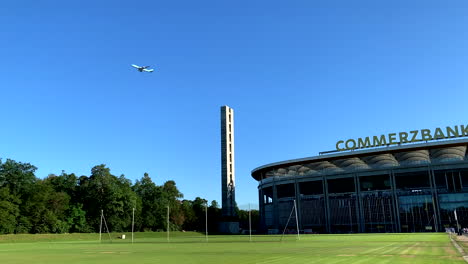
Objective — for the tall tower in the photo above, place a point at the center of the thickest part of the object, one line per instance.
(227, 162)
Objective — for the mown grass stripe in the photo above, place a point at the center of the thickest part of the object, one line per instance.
(192, 248)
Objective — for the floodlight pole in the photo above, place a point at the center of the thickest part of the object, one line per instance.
(250, 224)
(167, 223)
(133, 222)
(206, 221)
(297, 220)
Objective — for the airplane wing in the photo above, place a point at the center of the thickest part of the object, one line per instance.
(148, 70)
(136, 66)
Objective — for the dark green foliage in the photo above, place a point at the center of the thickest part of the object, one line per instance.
(196, 210)
(76, 219)
(23, 225)
(112, 195)
(244, 219)
(149, 195)
(67, 203)
(66, 183)
(190, 218)
(46, 209)
(9, 211)
(17, 176)
(214, 216)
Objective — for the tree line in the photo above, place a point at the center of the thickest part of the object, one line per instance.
(68, 203)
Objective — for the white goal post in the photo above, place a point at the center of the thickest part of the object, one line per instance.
(103, 219)
(294, 209)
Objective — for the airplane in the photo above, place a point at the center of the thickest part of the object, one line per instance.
(143, 68)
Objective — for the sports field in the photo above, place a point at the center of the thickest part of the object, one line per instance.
(193, 248)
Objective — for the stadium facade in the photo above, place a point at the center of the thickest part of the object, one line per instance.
(421, 186)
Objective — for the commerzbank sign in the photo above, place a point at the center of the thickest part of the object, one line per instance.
(403, 137)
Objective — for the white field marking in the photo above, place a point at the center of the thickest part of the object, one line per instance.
(377, 249)
(386, 252)
(11, 250)
(406, 251)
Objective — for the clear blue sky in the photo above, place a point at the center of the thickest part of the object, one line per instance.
(300, 75)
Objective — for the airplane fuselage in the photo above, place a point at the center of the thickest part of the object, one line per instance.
(142, 68)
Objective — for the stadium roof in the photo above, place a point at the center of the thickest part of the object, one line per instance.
(390, 156)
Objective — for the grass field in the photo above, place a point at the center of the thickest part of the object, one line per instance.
(192, 248)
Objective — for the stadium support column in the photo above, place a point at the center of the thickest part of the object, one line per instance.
(261, 208)
(435, 199)
(327, 204)
(230, 222)
(276, 223)
(359, 211)
(396, 204)
(298, 202)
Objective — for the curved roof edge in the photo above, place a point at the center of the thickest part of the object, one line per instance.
(363, 152)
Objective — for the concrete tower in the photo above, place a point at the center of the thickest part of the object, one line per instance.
(227, 162)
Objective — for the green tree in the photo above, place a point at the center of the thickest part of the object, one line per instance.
(9, 211)
(113, 195)
(214, 216)
(125, 200)
(67, 203)
(76, 219)
(149, 194)
(63, 183)
(190, 219)
(46, 209)
(244, 219)
(170, 197)
(17, 176)
(198, 206)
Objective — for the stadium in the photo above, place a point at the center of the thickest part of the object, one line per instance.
(400, 182)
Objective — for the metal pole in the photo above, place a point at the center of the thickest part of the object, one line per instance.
(168, 223)
(297, 220)
(206, 221)
(133, 222)
(250, 225)
(105, 223)
(100, 227)
(287, 223)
